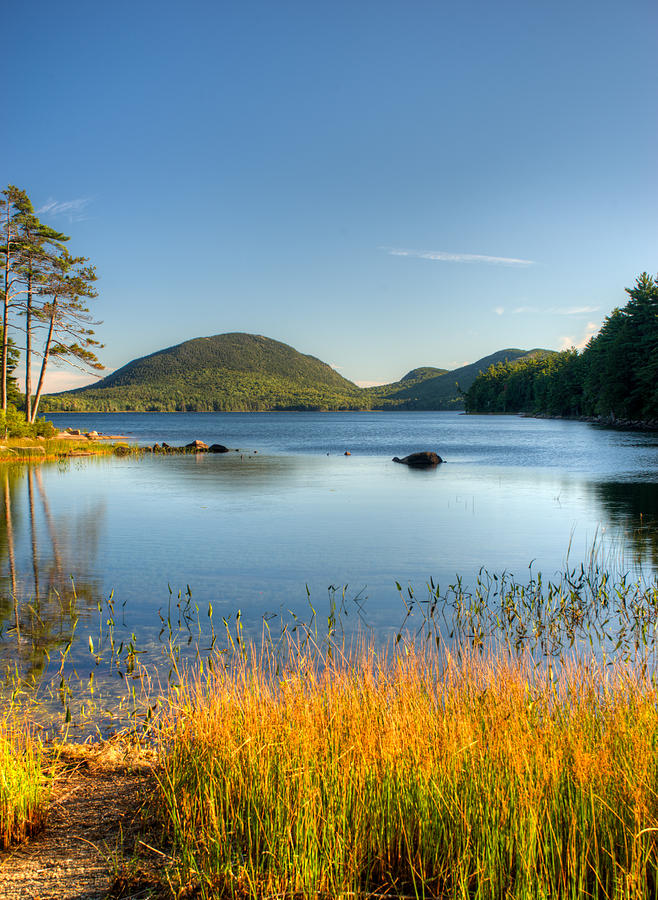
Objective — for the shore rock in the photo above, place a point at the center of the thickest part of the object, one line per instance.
(218, 448)
(199, 446)
(423, 460)
(30, 451)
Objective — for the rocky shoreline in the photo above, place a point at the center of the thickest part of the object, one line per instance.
(604, 421)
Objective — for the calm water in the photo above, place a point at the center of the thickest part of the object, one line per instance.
(253, 530)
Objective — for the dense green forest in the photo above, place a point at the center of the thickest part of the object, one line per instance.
(244, 372)
(428, 388)
(614, 377)
(237, 371)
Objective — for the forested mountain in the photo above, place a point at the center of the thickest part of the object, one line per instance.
(439, 389)
(615, 376)
(251, 372)
(220, 373)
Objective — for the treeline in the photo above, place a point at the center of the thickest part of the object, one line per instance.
(221, 390)
(615, 376)
(44, 291)
(216, 390)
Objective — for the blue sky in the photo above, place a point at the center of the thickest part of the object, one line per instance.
(381, 184)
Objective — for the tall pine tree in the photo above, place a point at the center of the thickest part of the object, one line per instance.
(38, 246)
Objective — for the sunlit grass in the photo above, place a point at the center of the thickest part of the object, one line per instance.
(33, 449)
(500, 745)
(24, 784)
(415, 773)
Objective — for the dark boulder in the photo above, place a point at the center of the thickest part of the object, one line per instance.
(423, 460)
(218, 448)
(198, 446)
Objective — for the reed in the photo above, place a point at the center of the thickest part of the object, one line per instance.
(23, 450)
(24, 784)
(416, 772)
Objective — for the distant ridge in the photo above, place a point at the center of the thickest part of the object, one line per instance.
(445, 389)
(243, 372)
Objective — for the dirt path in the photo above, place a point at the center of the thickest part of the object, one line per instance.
(94, 825)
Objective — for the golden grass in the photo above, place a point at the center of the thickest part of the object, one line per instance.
(413, 773)
(31, 450)
(24, 785)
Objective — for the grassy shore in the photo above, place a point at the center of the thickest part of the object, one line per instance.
(24, 783)
(42, 449)
(479, 766)
(416, 774)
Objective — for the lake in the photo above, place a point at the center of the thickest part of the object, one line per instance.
(275, 527)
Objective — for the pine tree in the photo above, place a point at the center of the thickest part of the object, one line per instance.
(66, 317)
(38, 245)
(10, 261)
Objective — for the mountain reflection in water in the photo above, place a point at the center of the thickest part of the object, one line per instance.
(251, 531)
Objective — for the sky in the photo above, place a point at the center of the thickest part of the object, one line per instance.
(383, 184)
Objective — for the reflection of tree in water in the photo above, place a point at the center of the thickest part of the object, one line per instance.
(45, 579)
(633, 508)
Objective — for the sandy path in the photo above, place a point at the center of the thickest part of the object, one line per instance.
(94, 821)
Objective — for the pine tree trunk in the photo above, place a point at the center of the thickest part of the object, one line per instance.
(5, 316)
(46, 354)
(28, 351)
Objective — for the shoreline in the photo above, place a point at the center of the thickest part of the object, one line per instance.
(602, 421)
(62, 446)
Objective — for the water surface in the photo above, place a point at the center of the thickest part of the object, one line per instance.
(261, 531)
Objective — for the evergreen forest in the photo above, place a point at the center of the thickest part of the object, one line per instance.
(240, 372)
(615, 377)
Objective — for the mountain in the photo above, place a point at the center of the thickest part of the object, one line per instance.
(220, 373)
(236, 372)
(439, 389)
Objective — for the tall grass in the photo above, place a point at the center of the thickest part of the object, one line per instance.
(415, 773)
(24, 786)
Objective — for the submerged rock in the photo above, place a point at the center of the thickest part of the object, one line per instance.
(423, 460)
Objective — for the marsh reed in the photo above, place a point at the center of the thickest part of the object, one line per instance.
(501, 744)
(419, 772)
(24, 784)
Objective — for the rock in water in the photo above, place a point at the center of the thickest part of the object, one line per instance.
(199, 446)
(422, 460)
(218, 448)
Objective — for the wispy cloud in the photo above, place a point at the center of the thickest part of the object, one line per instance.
(443, 256)
(568, 340)
(73, 210)
(499, 310)
(366, 384)
(60, 380)
(572, 310)
(556, 310)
